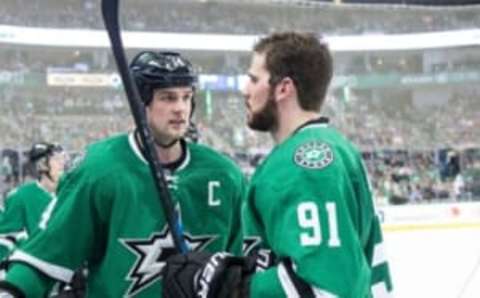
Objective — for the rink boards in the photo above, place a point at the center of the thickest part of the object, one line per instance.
(434, 250)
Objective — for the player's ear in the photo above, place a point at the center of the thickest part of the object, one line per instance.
(285, 88)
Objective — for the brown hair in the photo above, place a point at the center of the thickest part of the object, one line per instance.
(301, 57)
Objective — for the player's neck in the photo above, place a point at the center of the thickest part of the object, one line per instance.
(289, 121)
(171, 154)
(47, 184)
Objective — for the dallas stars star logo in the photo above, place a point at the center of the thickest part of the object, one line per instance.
(151, 255)
(313, 155)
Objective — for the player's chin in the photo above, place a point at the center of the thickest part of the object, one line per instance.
(178, 133)
(251, 117)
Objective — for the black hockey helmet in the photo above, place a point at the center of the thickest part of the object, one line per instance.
(39, 156)
(41, 150)
(153, 70)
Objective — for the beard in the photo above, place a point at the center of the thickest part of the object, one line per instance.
(266, 119)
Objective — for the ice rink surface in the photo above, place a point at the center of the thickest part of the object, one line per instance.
(435, 263)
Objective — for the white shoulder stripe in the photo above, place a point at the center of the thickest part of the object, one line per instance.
(55, 271)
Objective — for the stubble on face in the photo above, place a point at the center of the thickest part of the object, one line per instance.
(167, 123)
(168, 132)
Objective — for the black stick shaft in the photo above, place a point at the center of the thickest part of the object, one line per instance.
(110, 10)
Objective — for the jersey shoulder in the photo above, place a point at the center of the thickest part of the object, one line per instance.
(323, 134)
(312, 151)
(210, 158)
(346, 153)
(102, 157)
(103, 168)
(24, 190)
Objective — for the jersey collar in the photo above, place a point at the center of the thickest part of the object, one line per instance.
(177, 165)
(43, 188)
(318, 122)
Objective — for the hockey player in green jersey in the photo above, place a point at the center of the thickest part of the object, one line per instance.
(29, 206)
(310, 224)
(111, 217)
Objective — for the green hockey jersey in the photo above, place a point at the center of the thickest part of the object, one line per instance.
(309, 204)
(110, 216)
(22, 215)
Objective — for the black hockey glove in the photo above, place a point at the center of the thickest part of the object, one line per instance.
(205, 275)
(75, 289)
(8, 290)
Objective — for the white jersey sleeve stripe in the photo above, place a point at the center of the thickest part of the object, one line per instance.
(22, 234)
(287, 284)
(7, 243)
(379, 290)
(379, 255)
(319, 293)
(9, 240)
(54, 271)
(291, 291)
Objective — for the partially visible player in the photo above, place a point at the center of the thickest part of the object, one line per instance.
(111, 216)
(309, 217)
(29, 206)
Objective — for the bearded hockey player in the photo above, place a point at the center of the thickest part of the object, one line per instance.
(309, 220)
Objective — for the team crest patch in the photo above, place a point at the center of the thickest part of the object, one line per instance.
(313, 155)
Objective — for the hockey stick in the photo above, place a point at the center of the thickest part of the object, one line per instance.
(110, 9)
(469, 279)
